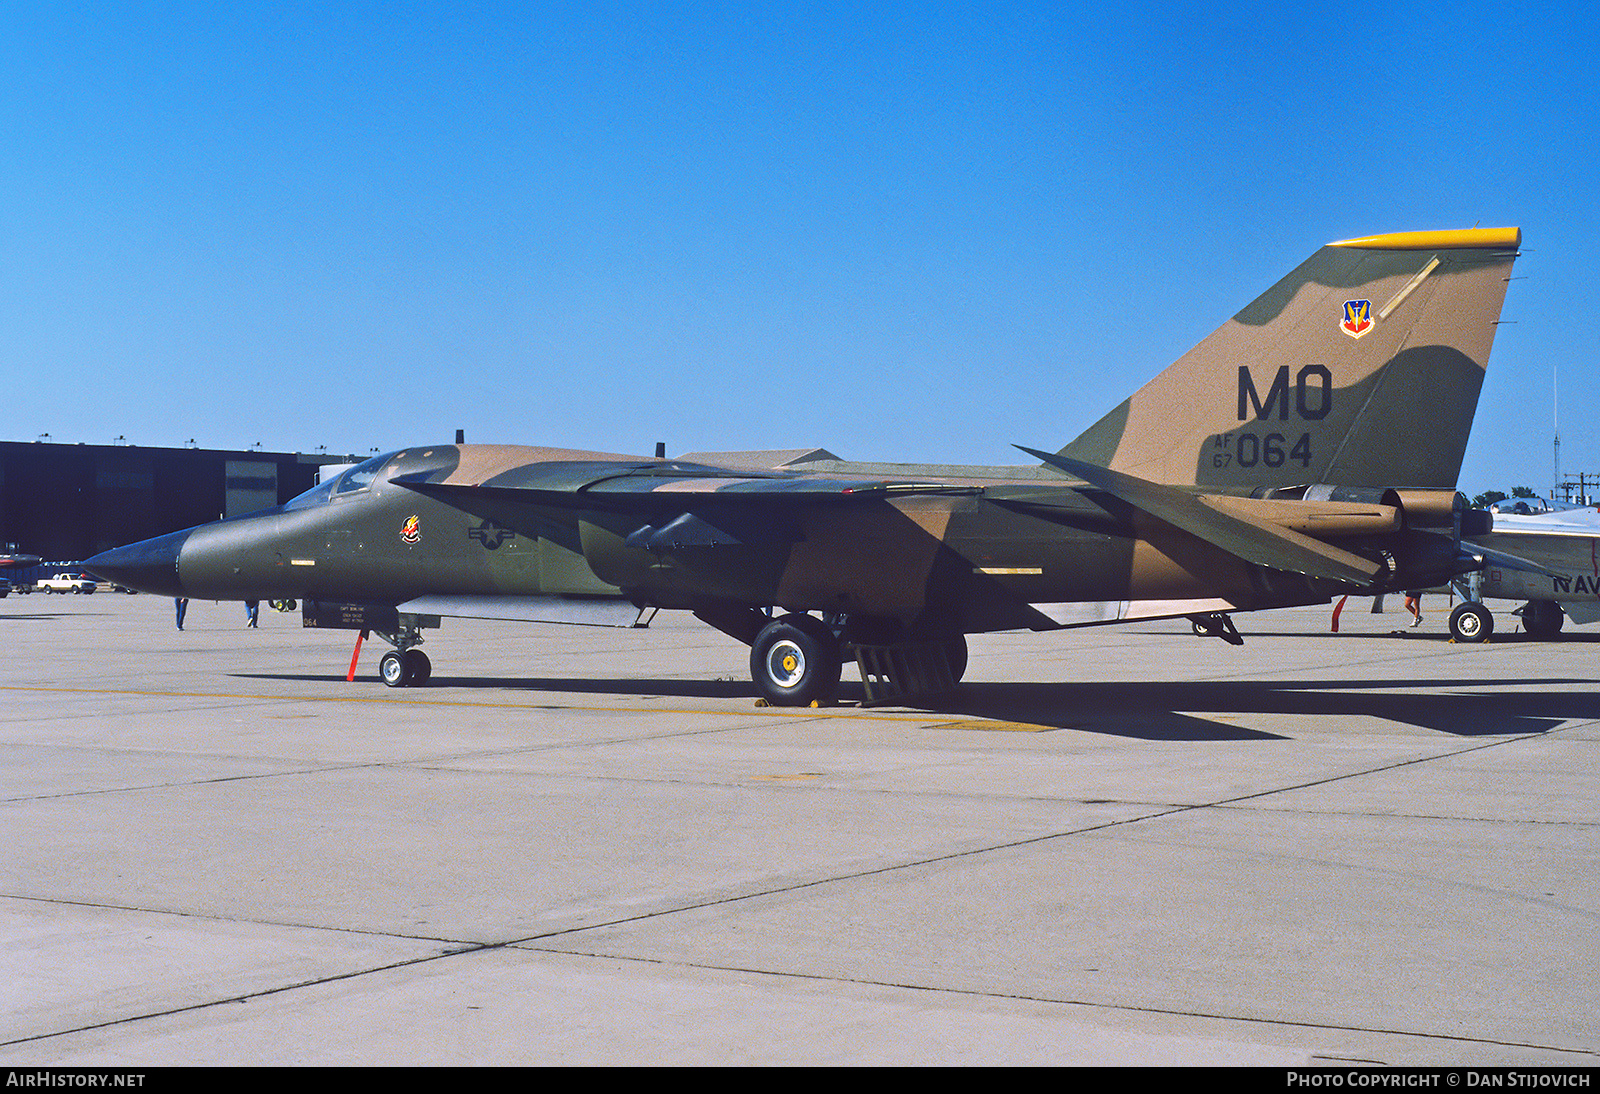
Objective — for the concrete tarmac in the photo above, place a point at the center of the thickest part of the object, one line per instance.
(1119, 845)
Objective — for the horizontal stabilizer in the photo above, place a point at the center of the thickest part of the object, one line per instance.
(1508, 561)
(1265, 545)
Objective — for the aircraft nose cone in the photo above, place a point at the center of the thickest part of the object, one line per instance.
(151, 565)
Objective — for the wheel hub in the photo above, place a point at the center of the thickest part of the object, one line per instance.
(787, 664)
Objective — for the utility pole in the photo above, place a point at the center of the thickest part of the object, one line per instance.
(1555, 420)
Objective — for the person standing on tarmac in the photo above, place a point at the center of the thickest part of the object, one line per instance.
(1414, 606)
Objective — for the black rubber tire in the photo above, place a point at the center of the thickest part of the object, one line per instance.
(1543, 618)
(1471, 622)
(956, 651)
(393, 669)
(795, 661)
(418, 667)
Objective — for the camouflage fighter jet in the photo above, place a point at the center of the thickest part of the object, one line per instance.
(1309, 447)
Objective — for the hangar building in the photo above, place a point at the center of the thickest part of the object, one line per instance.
(65, 502)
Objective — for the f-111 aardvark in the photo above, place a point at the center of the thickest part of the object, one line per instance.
(1309, 447)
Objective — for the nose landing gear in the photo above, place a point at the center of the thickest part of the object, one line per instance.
(405, 666)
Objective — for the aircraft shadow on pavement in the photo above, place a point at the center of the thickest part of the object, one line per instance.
(1174, 711)
(1500, 637)
(636, 688)
(1185, 710)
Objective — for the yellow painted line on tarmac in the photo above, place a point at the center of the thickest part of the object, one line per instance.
(769, 712)
(995, 727)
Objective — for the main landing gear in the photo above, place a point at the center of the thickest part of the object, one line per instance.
(1543, 618)
(1472, 622)
(796, 659)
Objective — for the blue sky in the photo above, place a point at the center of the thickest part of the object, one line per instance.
(915, 232)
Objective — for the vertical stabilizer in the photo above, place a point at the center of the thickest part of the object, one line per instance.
(1362, 367)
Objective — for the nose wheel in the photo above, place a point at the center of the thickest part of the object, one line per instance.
(1471, 622)
(405, 668)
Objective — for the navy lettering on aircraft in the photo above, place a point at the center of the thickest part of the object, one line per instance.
(490, 534)
(1313, 394)
(1579, 585)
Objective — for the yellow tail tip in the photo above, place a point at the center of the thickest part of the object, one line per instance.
(1452, 239)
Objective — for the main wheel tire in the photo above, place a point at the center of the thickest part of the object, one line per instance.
(418, 667)
(1471, 622)
(795, 661)
(955, 651)
(1543, 618)
(394, 669)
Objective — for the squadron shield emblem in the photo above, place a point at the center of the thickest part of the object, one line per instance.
(1357, 318)
(411, 530)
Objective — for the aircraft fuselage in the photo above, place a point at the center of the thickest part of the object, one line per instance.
(956, 563)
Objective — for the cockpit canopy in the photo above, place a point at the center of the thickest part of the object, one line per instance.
(352, 481)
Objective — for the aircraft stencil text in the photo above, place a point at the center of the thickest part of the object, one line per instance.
(1313, 394)
(1251, 450)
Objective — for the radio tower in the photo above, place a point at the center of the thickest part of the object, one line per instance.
(1555, 418)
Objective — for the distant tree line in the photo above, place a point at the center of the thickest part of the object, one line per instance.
(1489, 497)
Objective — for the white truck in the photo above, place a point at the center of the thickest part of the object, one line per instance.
(65, 583)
